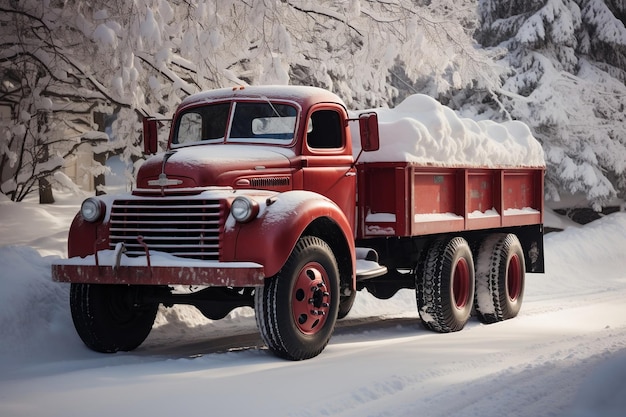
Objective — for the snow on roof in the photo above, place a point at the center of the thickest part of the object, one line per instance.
(423, 131)
(283, 92)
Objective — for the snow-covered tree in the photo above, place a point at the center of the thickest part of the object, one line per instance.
(567, 83)
(52, 98)
(141, 57)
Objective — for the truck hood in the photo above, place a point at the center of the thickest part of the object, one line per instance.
(210, 165)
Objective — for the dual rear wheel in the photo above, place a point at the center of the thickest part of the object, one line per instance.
(449, 285)
(500, 278)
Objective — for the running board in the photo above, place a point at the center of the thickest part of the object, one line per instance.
(367, 266)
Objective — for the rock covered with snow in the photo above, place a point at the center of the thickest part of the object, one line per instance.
(423, 131)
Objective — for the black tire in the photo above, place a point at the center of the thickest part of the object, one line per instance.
(345, 305)
(297, 308)
(500, 278)
(107, 317)
(445, 285)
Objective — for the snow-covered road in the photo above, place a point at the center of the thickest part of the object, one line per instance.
(564, 355)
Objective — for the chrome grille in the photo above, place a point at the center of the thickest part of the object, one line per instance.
(182, 227)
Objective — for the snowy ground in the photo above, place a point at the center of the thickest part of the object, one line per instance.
(565, 355)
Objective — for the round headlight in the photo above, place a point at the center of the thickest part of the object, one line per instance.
(243, 209)
(91, 210)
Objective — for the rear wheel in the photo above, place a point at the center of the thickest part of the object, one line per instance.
(297, 309)
(500, 278)
(445, 285)
(109, 318)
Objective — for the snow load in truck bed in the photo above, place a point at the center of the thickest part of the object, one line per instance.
(423, 131)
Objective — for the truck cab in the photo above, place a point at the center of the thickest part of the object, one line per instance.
(258, 137)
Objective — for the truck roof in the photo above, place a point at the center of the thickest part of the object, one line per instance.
(303, 95)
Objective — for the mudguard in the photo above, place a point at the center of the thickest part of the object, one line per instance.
(85, 238)
(282, 220)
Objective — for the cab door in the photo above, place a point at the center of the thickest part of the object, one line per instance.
(327, 159)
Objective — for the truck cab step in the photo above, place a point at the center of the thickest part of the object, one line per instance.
(367, 266)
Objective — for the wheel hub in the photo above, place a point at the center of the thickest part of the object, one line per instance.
(461, 284)
(311, 298)
(514, 278)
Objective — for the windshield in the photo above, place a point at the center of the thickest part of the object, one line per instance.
(252, 122)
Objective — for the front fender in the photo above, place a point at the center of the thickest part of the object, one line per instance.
(85, 238)
(270, 238)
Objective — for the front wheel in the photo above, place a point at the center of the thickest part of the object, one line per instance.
(297, 308)
(110, 318)
(445, 285)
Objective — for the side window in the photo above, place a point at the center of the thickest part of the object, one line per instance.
(324, 130)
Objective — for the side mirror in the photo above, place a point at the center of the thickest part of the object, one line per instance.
(368, 126)
(150, 136)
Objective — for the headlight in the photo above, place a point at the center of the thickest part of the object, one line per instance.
(92, 210)
(244, 209)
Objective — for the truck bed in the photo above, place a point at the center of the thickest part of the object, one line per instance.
(407, 199)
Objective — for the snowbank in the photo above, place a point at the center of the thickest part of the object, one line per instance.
(34, 313)
(423, 131)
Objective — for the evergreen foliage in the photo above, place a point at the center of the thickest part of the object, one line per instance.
(567, 82)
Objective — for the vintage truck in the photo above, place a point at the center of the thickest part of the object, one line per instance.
(280, 199)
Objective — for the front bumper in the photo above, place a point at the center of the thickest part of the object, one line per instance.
(158, 268)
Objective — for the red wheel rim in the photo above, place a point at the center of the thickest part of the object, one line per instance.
(310, 300)
(461, 283)
(514, 278)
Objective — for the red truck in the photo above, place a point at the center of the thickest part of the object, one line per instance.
(260, 200)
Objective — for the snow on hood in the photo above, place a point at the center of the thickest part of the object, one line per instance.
(205, 164)
(228, 153)
(422, 130)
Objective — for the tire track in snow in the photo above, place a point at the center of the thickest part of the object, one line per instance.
(535, 375)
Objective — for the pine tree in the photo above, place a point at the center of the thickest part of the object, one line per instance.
(567, 83)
